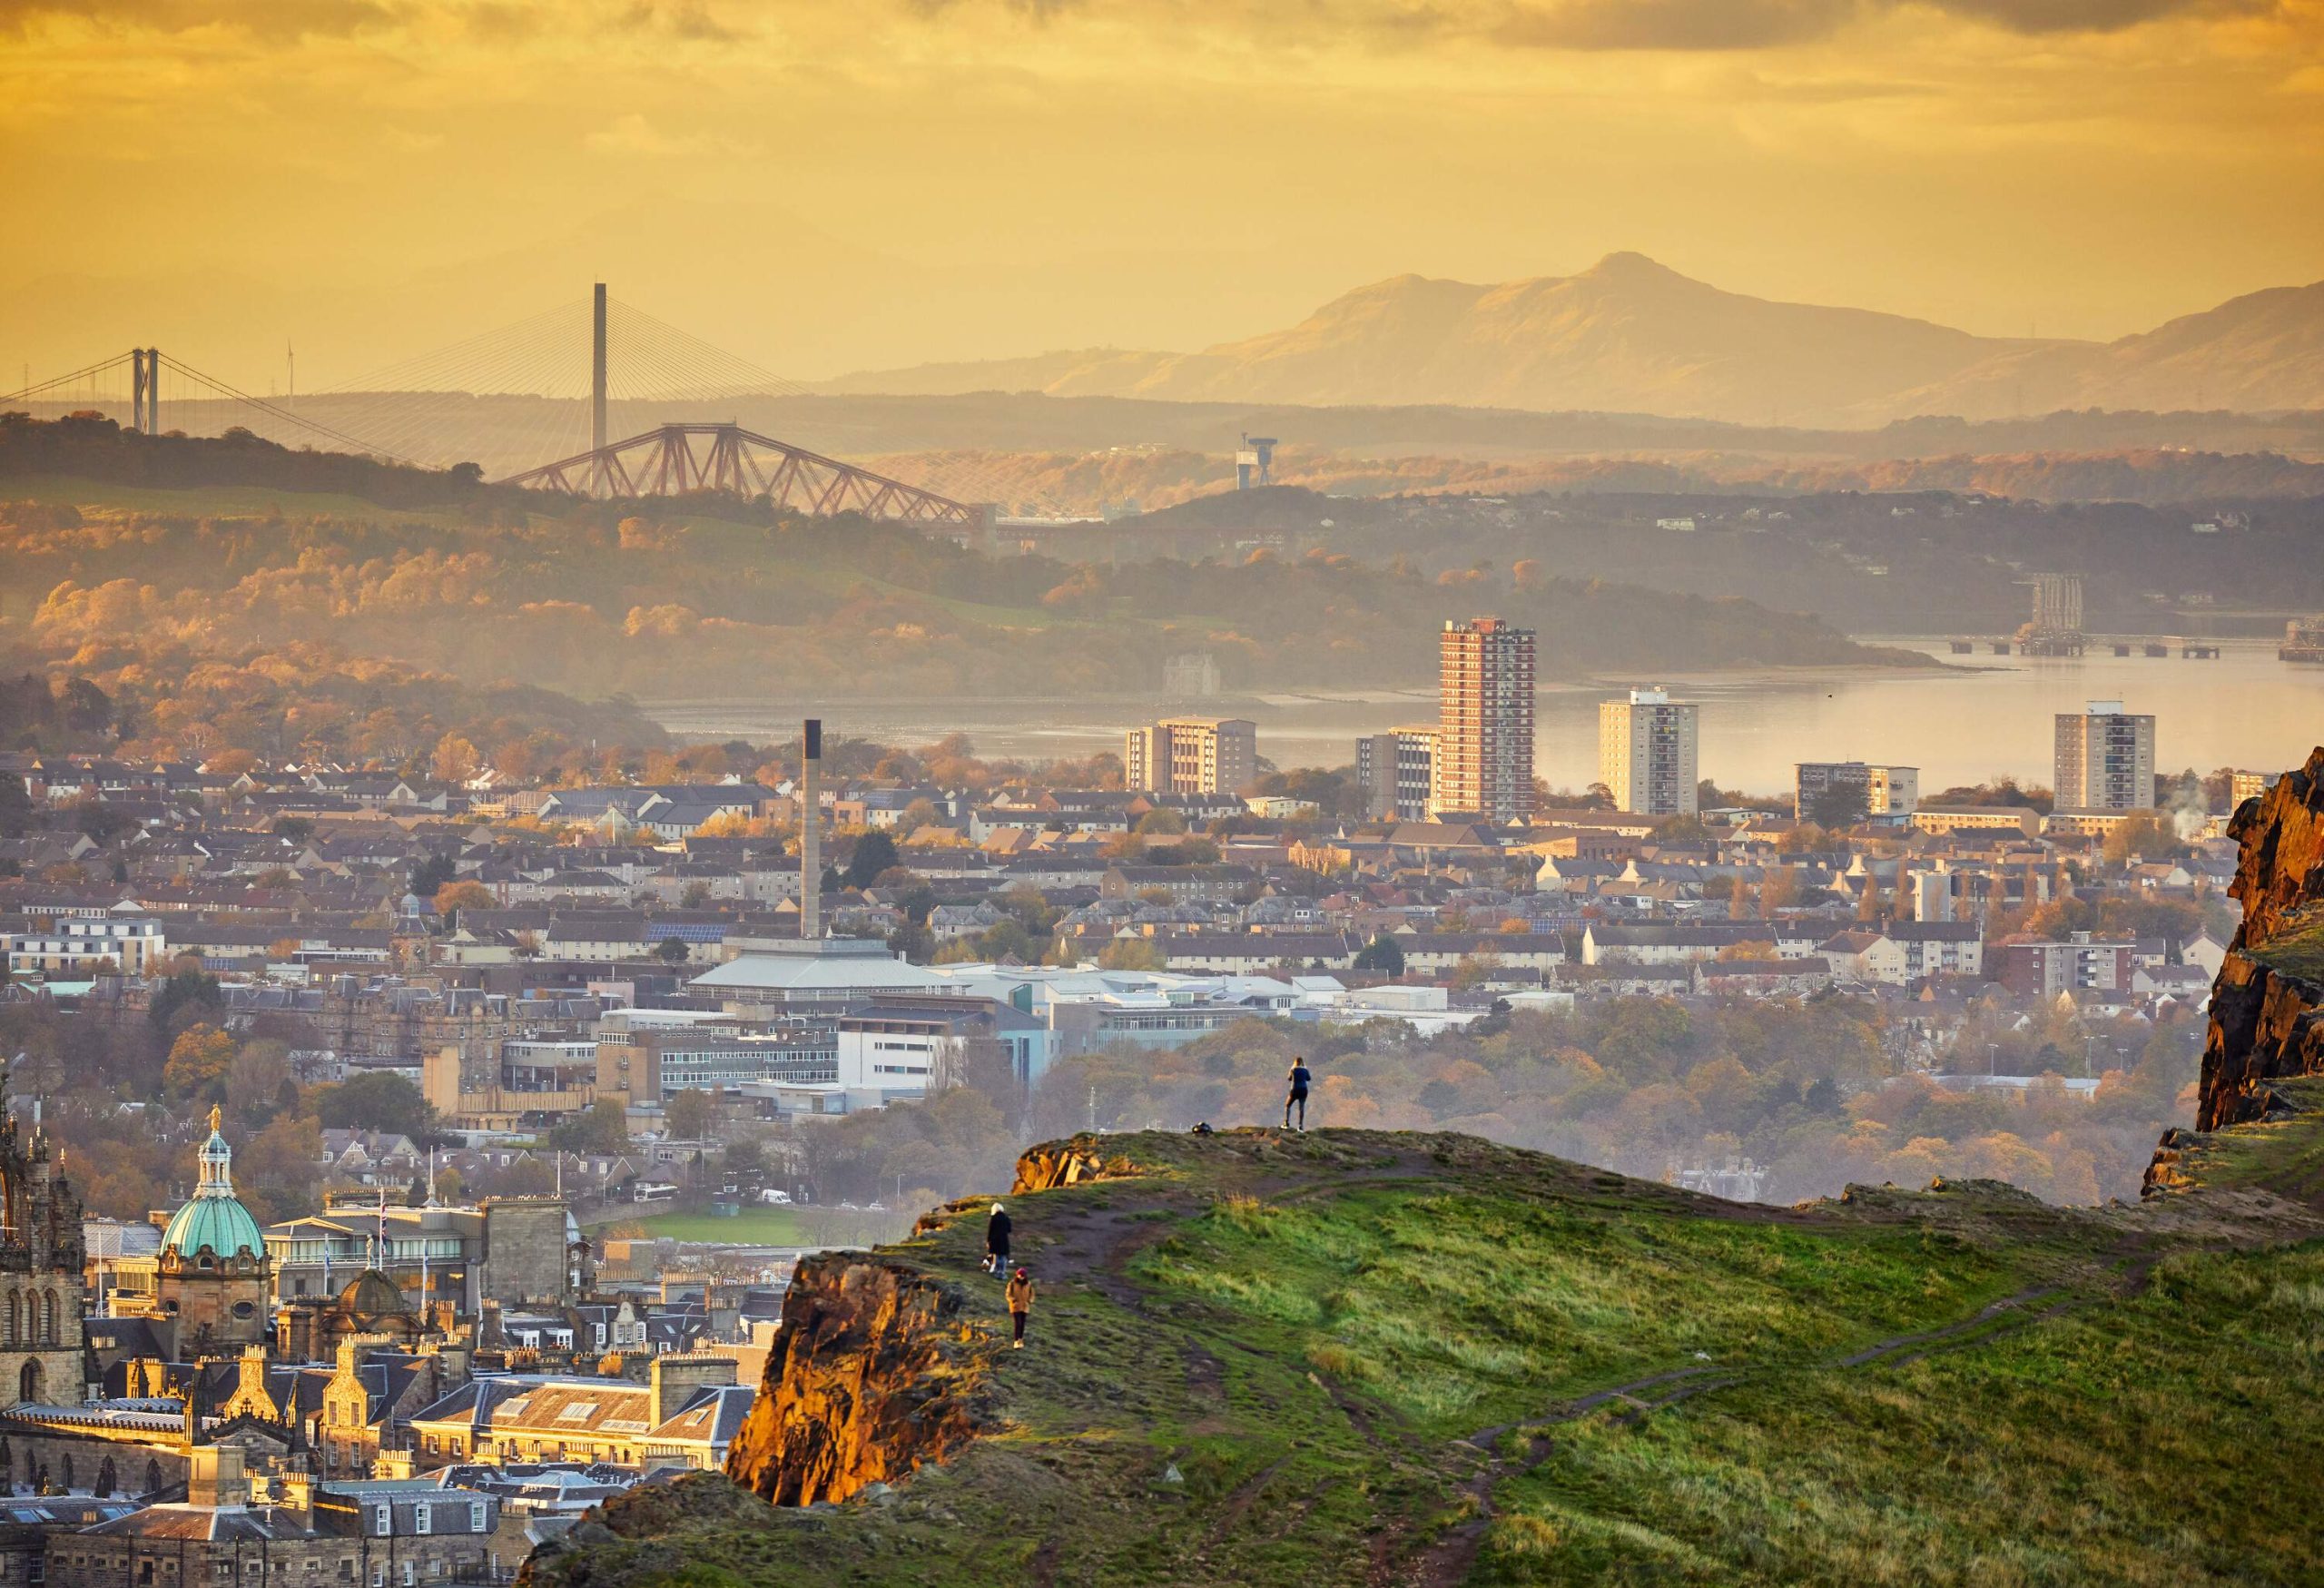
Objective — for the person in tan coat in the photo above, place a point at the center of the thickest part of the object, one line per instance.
(1021, 1302)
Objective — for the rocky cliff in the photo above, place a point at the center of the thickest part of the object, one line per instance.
(2264, 1006)
(873, 1372)
(2267, 1015)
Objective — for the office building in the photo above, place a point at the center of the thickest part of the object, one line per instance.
(1646, 753)
(1886, 791)
(1483, 765)
(2105, 759)
(1187, 754)
(1396, 770)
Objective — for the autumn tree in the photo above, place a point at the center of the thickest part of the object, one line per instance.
(467, 893)
(199, 1062)
(688, 1115)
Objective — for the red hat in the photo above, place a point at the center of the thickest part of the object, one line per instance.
(1021, 1273)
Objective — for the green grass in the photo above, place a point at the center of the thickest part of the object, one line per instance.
(1415, 1298)
(751, 1226)
(2143, 1443)
(2296, 950)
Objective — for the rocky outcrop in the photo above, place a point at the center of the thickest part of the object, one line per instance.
(873, 1373)
(2267, 1012)
(1068, 1163)
(2265, 1002)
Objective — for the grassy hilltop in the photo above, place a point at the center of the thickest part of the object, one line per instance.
(1361, 1357)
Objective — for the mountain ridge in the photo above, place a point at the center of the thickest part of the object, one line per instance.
(1630, 334)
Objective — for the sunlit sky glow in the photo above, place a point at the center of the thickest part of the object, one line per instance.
(829, 184)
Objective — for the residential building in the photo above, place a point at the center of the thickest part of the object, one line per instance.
(358, 1534)
(1396, 770)
(2080, 963)
(1189, 754)
(534, 1418)
(133, 946)
(1647, 751)
(2105, 759)
(1483, 760)
(1888, 790)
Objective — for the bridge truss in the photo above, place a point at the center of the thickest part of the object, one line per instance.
(672, 459)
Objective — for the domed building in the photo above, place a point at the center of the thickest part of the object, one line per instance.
(371, 1306)
(210, 1280)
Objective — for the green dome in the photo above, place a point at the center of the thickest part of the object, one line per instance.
(215, 1217)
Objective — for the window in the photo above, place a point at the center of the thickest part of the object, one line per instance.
(475, 1516)
(409, 1576)
(423, 1519)
(382, 1520)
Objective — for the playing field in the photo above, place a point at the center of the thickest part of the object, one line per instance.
(751, 1226)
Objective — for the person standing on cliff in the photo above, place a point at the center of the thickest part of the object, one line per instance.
(1299, 1078)
(1021, 1302)
(996, 1240)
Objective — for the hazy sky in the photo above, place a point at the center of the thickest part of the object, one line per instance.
(827, 184)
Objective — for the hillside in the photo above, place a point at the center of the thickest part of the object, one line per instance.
(1363, 1357)
(659, 597)
(1356, 1357)
(1628, 335)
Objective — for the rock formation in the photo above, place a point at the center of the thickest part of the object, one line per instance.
(2267, 1014)
(1067, 1163)
(872, 1374)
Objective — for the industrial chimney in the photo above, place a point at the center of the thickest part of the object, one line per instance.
(811, 830)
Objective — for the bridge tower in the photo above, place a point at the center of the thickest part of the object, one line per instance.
(597, 391)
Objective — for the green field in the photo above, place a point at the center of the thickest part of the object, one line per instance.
(751, 1226)
(1359, 1357)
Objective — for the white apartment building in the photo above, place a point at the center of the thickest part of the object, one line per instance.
(1647, 753)
(134, 945)
(2105, 759)
(1204, 756)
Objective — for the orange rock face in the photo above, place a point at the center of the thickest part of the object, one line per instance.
(1067, 1163)
(869, 1377)
(2264, 1022)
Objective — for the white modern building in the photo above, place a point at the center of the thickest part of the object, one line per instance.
(1647, 753)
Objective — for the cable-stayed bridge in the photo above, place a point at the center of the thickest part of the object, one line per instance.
(593, 398)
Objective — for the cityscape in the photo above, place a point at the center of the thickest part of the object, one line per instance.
(1521, 792)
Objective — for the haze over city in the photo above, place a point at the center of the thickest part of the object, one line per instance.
(1502, 792)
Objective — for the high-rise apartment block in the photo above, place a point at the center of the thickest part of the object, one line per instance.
(1888, 791)
(1646, 753)
(1396, 770)
(1484, 722)
(2105, 759)
(1189, 754)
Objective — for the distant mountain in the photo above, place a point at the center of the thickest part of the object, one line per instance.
(1630, 335)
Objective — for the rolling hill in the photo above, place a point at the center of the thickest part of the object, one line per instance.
(1630, 335)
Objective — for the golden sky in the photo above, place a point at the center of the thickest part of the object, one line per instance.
(829, 184)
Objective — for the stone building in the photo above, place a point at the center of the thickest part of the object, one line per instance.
(40, 1260)
(207, 1291)
(352, 1535)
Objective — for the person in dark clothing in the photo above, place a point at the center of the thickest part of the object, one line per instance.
(1021, 1302)
(1299, 1079)
(995, 1241)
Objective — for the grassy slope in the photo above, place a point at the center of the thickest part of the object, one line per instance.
(1355, 1357)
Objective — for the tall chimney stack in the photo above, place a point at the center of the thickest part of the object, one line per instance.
(811, 830)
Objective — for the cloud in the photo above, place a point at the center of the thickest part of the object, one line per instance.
(276, 20)
(634, 135)
(1600, 25)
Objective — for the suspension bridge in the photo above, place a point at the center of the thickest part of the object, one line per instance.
(593, 398)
